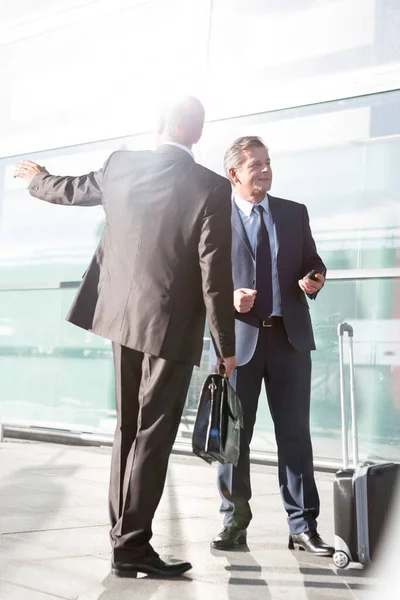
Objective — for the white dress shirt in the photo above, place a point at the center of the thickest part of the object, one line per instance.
(181, 146)
(249, 219)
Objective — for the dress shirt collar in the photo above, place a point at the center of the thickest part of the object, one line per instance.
(246, 207)
(181, 146)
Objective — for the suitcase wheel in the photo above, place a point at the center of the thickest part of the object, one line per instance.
(341, 559)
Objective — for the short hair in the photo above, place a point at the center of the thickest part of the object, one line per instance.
(183, 114)
(233, 158)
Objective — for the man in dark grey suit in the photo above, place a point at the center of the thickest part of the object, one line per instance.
(163, 262)
(273, 253)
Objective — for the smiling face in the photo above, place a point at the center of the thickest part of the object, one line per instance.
(253, 178)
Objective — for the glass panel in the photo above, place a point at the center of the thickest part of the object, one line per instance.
(276, 53)
(41, 242)
(23, 11)
(372, 308)
(110, 65)
(57, 375)
(52, 373)
(46, 243)
(340, 160)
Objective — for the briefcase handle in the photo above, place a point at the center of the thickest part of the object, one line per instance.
(222, 370)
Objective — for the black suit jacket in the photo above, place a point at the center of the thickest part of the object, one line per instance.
(164, 258)
(296, 256)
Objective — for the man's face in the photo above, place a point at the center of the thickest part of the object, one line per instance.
(253, 178)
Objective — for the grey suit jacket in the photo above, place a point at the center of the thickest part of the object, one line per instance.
(164, 258)
(297, 255)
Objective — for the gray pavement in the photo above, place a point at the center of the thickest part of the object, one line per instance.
(54, 534)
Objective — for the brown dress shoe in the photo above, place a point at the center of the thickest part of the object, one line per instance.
(310, 541)
(230, 537)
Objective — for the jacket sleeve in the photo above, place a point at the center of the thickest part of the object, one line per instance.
(216, 269)
(311, 258)
(84, 190)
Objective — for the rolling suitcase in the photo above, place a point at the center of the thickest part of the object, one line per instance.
(362, 495)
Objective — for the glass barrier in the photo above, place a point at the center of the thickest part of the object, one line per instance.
(56, 375)
(53, 374)
(372, 308)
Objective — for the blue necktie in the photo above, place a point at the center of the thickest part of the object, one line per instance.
(263, 302)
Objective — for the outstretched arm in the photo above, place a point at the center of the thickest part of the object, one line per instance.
(84, 190)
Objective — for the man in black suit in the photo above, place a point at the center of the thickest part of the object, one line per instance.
(273, 255)
(163, 262)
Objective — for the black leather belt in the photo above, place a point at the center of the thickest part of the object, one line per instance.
(270, 322)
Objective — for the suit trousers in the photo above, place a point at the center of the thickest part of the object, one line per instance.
(287, 377)
(150, 396)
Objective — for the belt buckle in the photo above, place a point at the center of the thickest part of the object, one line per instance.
(266, 323)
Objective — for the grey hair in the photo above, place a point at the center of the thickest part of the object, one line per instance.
(233, 158)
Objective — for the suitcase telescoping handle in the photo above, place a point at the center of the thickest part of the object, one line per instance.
(346, 328)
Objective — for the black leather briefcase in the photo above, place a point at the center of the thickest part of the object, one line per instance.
(216, 434)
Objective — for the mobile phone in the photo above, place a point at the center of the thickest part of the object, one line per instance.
(313, 273)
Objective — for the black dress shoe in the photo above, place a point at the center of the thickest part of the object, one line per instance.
(151, 565)
(229, 538)
(310, 541)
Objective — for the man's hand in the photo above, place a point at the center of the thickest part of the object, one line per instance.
(27, 170)
(243, 299)
(309, 286)
(229, 364)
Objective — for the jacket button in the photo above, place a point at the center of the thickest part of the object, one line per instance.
(254, 282)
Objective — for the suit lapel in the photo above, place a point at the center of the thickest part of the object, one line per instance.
(238, 226)
(276, 213)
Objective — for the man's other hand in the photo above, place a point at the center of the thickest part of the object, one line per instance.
(243, 299)
(229, 364)
(309, 286)
(27, 170)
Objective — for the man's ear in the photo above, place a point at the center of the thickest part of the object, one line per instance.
(233, 175)
(197, 137)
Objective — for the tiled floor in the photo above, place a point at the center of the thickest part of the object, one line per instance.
(54, 535)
